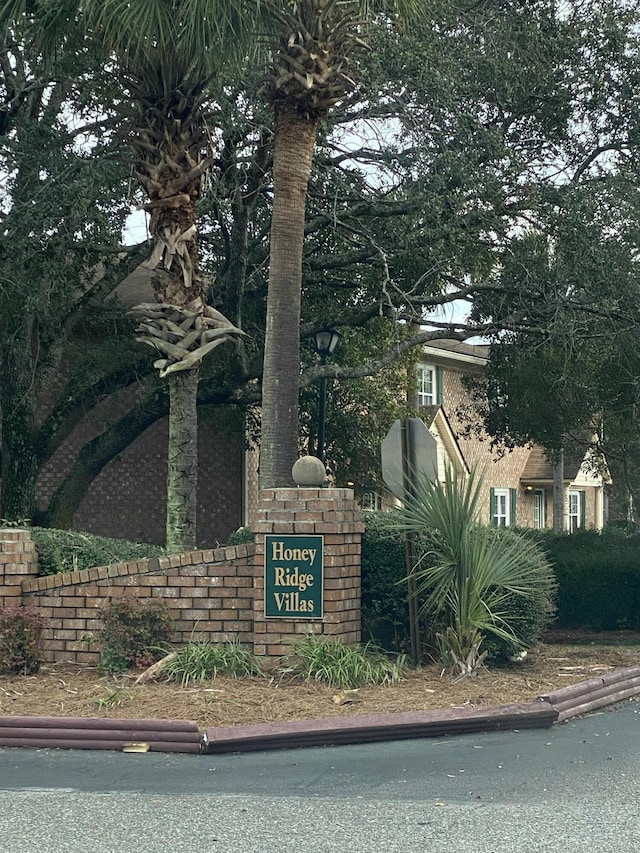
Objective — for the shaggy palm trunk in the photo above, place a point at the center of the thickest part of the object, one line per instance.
(182, 464)
(295, 137)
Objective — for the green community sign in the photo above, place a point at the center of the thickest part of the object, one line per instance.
(293, 568)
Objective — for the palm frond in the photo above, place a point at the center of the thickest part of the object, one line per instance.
(469, 572)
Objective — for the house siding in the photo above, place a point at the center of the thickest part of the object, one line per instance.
(498, 470)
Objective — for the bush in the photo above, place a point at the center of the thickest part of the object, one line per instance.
(20, 638)
(202, 660)
(241, 536)
(133, 634)
(598, 578)
(338, 665)
(67, 550)
(384, 585)
(384, 596)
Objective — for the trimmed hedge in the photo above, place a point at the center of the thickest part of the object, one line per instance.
(384, 597)
(598, 578)
(70, 551)
(385, 614)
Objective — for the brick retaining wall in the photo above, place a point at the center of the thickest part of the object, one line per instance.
(216, 594)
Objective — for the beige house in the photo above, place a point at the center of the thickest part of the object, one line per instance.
(518, 485)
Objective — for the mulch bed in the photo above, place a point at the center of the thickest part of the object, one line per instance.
(66, 689)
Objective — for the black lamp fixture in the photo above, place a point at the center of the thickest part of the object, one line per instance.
(326, 342)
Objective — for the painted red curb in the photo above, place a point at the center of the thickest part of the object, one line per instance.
(184, 736)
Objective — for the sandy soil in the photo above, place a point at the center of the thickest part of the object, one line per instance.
(80, 691)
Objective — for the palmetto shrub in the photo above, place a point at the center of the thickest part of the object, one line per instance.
(475, 580)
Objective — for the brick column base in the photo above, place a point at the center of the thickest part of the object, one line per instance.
(333, 514)
(18, 562)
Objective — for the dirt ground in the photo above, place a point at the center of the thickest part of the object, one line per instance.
(81, 691)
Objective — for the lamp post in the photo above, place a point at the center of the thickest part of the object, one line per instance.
(326, 342)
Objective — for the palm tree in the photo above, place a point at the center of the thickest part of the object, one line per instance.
(167, 56)
(473, 578)
(311, 71)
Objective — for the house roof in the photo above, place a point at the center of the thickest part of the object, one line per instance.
(436, 420)
(580, 467)
(449, 350)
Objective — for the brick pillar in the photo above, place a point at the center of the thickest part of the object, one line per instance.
(18, 561)
(333, 514)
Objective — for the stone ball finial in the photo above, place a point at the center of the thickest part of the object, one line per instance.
(309, 471)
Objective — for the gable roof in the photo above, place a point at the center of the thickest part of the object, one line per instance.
(449, 452)
(580, 468)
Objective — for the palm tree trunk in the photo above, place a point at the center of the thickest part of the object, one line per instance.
(182, 467)
(294, 141)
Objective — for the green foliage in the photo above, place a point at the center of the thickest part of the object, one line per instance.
(133, 634)
(68, 550)
(384, 588)
(201, 660)
(241, 536)
(469, 574)
(20, 634)
(339, 665)
(598, 579)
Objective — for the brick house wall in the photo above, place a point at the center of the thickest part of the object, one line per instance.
(127, 500)
(499, 471)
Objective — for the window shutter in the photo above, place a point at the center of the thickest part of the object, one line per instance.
(583, 509)
(492, 507)
(439, 386)
(513, 509)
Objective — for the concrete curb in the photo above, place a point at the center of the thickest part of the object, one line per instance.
(184, 736)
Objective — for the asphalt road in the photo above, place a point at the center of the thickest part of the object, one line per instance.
(574, 788)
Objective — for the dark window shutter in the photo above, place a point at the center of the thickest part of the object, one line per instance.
(492, 507)
(439, 386)
(583, 509)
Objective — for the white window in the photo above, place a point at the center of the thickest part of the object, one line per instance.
(539, 509)
(371, 501)
(500, 508)
(426, 386)
(430, 380)
(576, 510)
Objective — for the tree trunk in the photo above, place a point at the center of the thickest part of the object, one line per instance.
(182, 463)
(294, 142)
(559, 502)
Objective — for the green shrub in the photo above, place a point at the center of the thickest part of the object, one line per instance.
(201, 660)
(339, 665)
(20, 639)
(241, 536)
(133, 634)
(68, 550)
(598, 578)
(384, 596)
(384, 586)
(469, 575)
